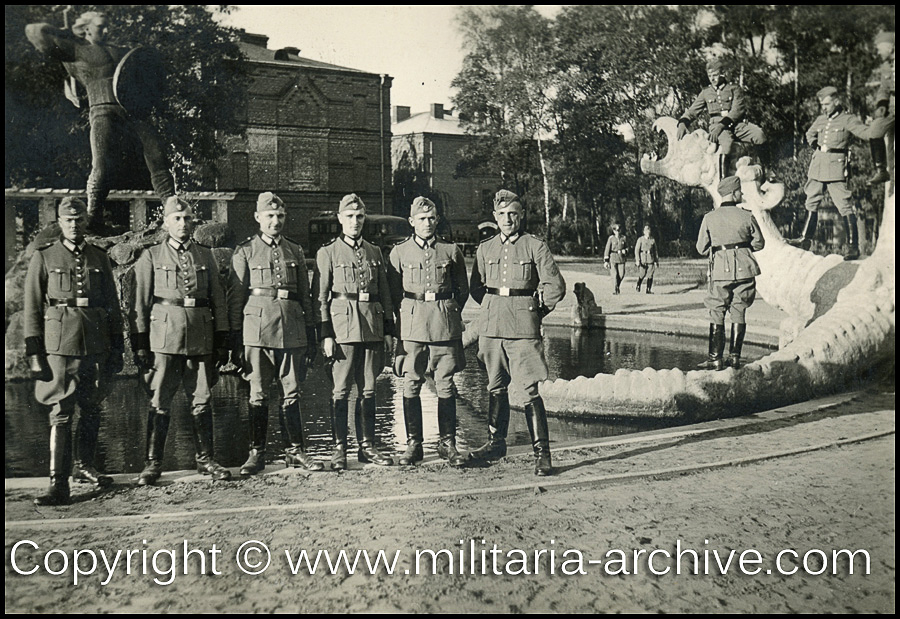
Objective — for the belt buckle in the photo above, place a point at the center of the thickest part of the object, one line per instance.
(281, 293)
(82, 301)
(190, 302)
(431, 296)
(504, 292)
(364, 296)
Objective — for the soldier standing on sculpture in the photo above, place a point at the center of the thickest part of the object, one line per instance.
(179, 334)
(74, 344)
(725, 103)
(646, 259)
(273, 325)
(517, 283)
(357, 328)
(429, 286)
(883, 124)
(829, 137)
(614, 256)
(729, 235)
(93, 63)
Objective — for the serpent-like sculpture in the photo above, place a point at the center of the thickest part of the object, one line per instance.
(840, 326)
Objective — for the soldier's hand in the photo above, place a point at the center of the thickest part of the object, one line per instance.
(715, 131)
(389, 345)
(682, 129)
(143, 359)
(606, 264)
(115, 362)
(328, 348)
(312, 340)
(40, 369)
(221, 355)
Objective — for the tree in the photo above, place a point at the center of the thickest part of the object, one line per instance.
(47, 138)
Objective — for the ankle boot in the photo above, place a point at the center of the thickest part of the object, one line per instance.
(339, 434)
(639, 282)
(367, 450)
(412, 416)
(804, 241)
(157, 430)
(737, 343)
(649, 285)
(879, 158)
(295, 456)
(258, 422)
(852, 251)
(60, 465)
(447, 432)
(87, 431)
(716, 349)
(536, 418)
(498, 427)
(203, 444)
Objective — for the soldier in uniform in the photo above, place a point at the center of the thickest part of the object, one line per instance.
(614, 256)
(729, 235)
(179, 334)
(517, 283)
(74, 344)
(273, 326)
(93, 62)
(646, 259)
(357, 328)
(829, 136)
(724, 102)
(883, 123)
(429, 287)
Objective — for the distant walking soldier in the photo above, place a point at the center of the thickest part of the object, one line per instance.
(829, 137)
(729, 235)
(646, 259)
(357, 328)
(274, 334)
(74, 344)
(517, 283)
(614, 256)
(429, 287)
(179, 334)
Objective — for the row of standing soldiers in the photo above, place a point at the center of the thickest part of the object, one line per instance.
(184, 327)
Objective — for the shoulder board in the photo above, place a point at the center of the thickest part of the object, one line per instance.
(246, 241)
(536, 238)
(202, 245)
(483, 241)
(97, 247)
(441, 239)
(331, 242)
(290, 240)
(46, 245)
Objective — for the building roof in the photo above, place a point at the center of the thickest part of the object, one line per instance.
(425, 122)
(287, 57)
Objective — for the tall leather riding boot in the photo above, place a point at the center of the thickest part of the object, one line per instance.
(498, 427)
(60, 465)
(639, 282)
(446, 447)
(716, 348)
(736, 344)
(339, 434)
(879, 159)
(258, 422)
(711, 349)
(203, 445)
(852, 251)
(358, 420)
(650, 286)
(295, 455)
(87, 430)
(412, 417)
(367, 450)
(157, 430)
(804, 241)
(536, 418)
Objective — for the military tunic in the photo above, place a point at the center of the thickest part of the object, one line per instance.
(355, 309)
(616, 249)
(72, 312)
(180, 304)
(429, 286)
(721, 101)
(730, 235)
(830, 168)
(516, 281)
(270, 306)
(646, 256)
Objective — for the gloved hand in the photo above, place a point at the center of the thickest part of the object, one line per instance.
(543, 310)
(606, 264)
(312, 344)
(682, 128)
(40, 369)
(143, 359)
(221, 356)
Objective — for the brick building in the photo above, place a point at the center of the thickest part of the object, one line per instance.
(315, 132)
(430, 142)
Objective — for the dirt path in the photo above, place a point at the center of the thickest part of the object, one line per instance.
(830, 498)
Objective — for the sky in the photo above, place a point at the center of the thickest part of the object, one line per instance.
(418, 46)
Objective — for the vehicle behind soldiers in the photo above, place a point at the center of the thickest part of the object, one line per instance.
(74, 344)
(356, 328)
(517, 283)
(179, 334)
(273, 331)
(429, 287)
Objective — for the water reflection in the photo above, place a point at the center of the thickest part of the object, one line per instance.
(570, 353)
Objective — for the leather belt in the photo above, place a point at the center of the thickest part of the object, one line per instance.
(356, 296)
(733, 246)
(73, 302)
(511, 292)
(185, 302)
(275, 293)
(428, 296)
(840, 151)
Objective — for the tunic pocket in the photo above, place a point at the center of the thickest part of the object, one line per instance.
(292, 272)
(95, 279)
(158, 329)
(202, 274)
(524, 270)
(493, 269)
(61, 280)
(252, 324)
(53, 328)
(340, 320)
(413, 273)
(165, 277)
(344, 273)
(261, 275)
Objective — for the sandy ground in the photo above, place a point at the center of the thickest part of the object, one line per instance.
(836, 493)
